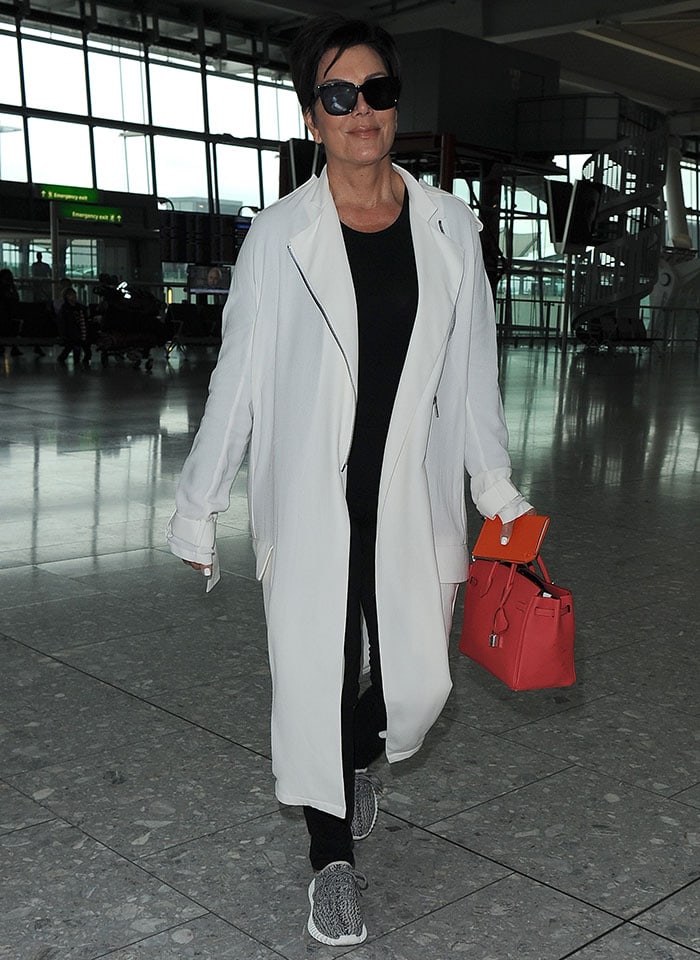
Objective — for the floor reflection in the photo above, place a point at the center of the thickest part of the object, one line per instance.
(91, 458)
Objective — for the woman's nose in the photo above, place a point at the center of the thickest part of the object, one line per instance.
(361, 106)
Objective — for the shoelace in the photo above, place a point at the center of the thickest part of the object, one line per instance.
(343, 880)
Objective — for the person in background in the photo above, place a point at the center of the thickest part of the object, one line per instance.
(41, 280)
(9, 298)
(73, 329)
(358, 368)
(41, 289)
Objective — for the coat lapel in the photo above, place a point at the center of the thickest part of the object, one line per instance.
(440, 267)
(319, 252)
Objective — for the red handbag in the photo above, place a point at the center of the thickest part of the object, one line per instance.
(519, 625)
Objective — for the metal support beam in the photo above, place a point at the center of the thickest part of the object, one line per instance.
(509, 21)
(644, 47)
(592, 84)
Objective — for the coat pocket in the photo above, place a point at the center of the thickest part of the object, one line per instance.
(453, 562)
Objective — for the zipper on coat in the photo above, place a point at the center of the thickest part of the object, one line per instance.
(435, 407)
(335, 337)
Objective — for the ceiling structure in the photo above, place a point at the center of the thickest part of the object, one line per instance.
(649, 52)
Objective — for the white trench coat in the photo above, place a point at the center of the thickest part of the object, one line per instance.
(285, 386)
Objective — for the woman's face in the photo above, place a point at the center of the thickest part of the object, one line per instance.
(360, 138)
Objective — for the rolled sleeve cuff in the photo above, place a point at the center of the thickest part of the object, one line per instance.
(495, 496)
(502, 499)
(192, 540)
(516, 508)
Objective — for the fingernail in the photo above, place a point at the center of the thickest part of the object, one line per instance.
(207, 571)
(504, 541)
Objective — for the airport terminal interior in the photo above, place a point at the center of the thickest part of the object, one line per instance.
(138, 819)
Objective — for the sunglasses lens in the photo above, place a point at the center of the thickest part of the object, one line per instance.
(338, 99)
(381, 93)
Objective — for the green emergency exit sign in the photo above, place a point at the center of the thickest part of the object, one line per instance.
(90, 213)
(52, 191)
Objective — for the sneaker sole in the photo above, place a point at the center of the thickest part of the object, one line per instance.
(345, 941)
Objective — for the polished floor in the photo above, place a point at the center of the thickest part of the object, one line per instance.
(137, 816)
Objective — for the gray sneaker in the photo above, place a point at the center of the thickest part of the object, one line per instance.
(334, 895)
(367, 791)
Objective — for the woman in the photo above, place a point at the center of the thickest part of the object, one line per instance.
(358, 365)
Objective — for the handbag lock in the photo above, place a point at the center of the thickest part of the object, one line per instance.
(493, 639)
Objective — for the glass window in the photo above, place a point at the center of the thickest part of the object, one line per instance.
(241, 45)
(180, 169)
(176, 29)
(54, 77)
(11, 257)
(689, 179)
(176, 97)
(231, 106)
(231, 68)
(468, 191)
(123, 161)
(9, 71)
(115, 46)
(81, 258)
(573, 164)
(271, 176)
(280, 116)
(49, 32)
(60, 152)
(13, 162)
(117, 88)
(239, 183)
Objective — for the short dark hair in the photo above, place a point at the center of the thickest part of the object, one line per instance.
(326, 33)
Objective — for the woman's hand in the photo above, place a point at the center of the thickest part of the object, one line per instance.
(507, 528)
(204, 568)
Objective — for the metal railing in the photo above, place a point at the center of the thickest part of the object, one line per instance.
(543, 321)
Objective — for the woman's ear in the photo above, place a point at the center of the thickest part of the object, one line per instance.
(311, 125)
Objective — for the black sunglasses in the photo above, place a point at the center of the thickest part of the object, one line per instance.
(339, 97)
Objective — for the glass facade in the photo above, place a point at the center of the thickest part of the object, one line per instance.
(118, 87)
(54, 76)
(192, 113)
(98, 109)
(9, 70)
(60, 152)
(13, 162)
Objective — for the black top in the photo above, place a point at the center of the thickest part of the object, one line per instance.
(383, 267)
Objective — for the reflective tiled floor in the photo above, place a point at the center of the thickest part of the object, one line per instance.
(137, 817)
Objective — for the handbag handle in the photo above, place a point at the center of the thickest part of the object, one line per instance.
(500, 620)
(537, 568)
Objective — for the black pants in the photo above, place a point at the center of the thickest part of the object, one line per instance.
(362, 718)
(75, 347)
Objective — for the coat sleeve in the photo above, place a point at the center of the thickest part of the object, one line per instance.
(486, 442)
(222, 438)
